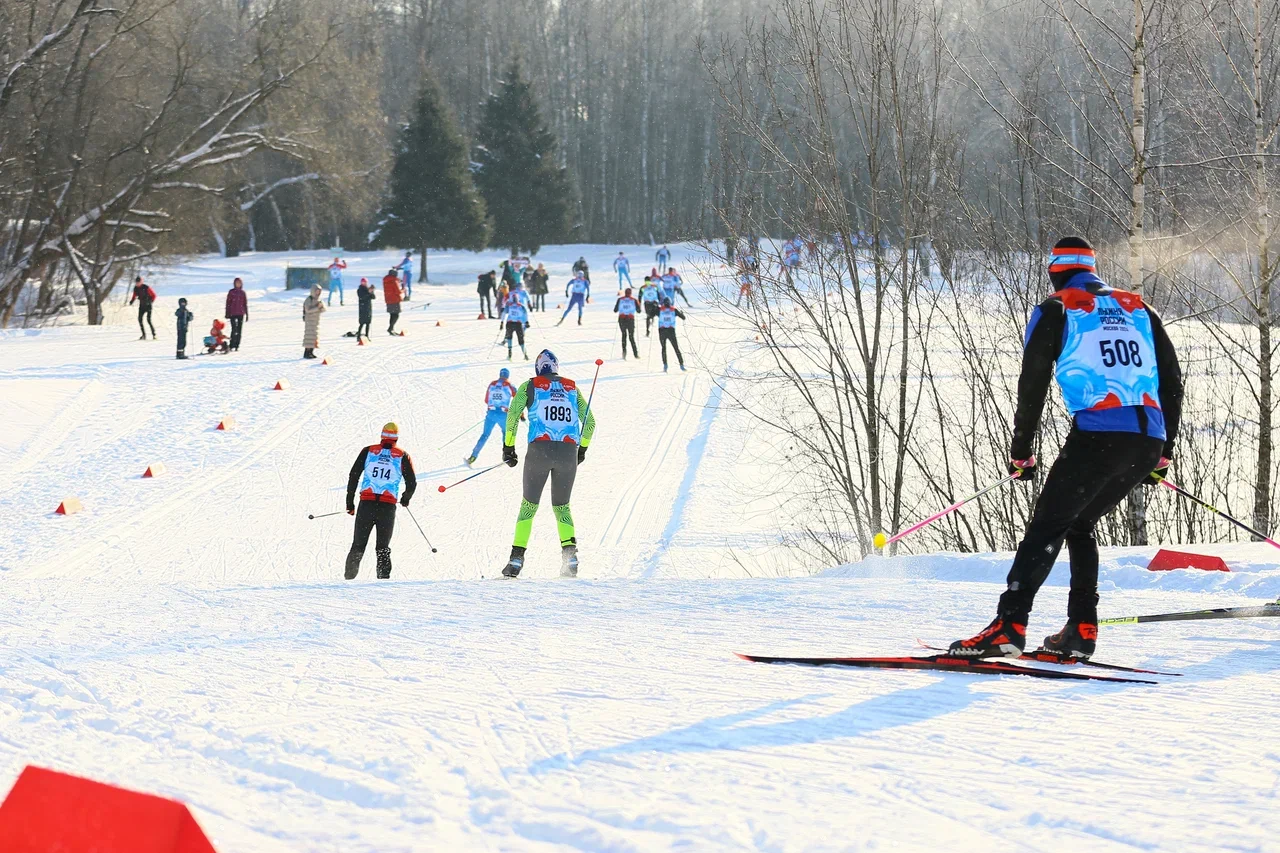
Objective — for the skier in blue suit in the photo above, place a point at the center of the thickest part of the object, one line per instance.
(578, 290)
(497, 397)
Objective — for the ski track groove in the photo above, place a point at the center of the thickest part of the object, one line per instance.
(323, 400)
(652, 467)
(52, 435)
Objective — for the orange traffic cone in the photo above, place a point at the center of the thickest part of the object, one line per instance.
(155, 469)
(439, 322)
(227, 423)
(481, 317)
(281, 385)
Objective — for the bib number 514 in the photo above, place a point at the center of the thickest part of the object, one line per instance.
(1122, 352)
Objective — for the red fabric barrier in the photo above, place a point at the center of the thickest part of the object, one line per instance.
(48, 811)
(1166, 560)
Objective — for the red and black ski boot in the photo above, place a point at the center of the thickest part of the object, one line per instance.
(1076, 639)
(1003, 638)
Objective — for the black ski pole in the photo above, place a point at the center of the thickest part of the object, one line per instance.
(327, 514)
(420, 530)
(1272, 609)
(1213, 509)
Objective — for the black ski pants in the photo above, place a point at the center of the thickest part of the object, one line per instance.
(1093, 472)
(394, 311)
(182, 339)
(517, 329)
(371, 515)
(144, 312)
(650, 314)
(237, 328)
(486, 304)
(628, 327)
(665, 335)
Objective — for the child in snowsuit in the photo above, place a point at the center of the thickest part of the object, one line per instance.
(184, 322)
(216, 340)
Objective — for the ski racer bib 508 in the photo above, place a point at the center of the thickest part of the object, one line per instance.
(1108, 355)
(383, 474)
(553, 412)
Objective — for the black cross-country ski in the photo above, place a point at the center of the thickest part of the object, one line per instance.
(1049, 656)
(947, 663)
(1272, 609)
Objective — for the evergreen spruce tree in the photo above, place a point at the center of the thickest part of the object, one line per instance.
(433, 201)
(528, 194)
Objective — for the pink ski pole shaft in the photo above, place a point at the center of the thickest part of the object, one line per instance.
(955, 506)
(472, 477)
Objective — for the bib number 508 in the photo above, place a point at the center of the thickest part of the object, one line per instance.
(1120, 352)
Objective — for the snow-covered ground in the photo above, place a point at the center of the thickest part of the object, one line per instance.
(191, 634)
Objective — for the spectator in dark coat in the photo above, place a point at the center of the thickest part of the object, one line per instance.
(487, 283)
(237, 311)
(366, 296)
(538, 288)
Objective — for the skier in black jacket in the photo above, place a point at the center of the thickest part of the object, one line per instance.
(145, 298)
(380, 472)
(1121, 381)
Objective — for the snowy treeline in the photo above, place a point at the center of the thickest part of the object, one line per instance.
(955, 143)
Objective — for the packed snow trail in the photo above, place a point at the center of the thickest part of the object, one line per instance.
(191, 634)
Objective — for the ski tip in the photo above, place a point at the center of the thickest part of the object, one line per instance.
(744, 657)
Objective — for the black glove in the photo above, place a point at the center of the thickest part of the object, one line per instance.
(404, 501)
(1024, 469)
(509, 455)
(1158, 475)
(582, 453)
(351, 510)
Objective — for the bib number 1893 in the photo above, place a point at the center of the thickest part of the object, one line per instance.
(560, 414)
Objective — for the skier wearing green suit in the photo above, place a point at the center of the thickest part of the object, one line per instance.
(560, 429)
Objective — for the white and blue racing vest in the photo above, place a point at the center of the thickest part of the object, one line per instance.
(1108, 357)
(627, 307)
(666, 318)
(578, 286)
(382, 474)
(499, 395)
(649, 293)
(553, 410)
(669, 284)
(516, 312)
